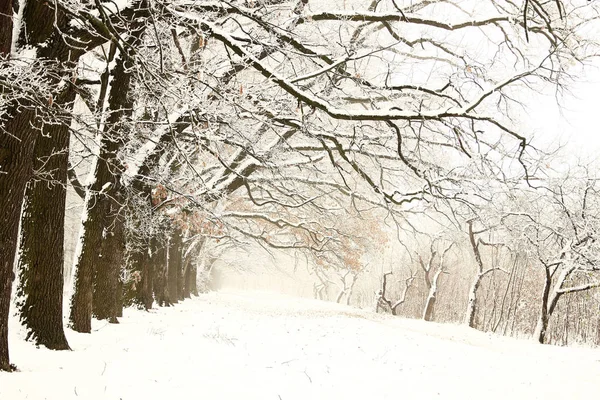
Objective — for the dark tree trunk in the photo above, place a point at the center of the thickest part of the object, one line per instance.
(106, 280)
(174, 267)
(145, 297)
(91, 240)
(16, 159)
(180, 279)
(141, 279)
(550, 299)
(119, 298)
(18, 132)
(17, 144)
(147, 283)
(194, 280)
(187, 278)
(104, 200)
(159, 262)
(542, 324)
(6, 26)
(145, 263)
(41, 260)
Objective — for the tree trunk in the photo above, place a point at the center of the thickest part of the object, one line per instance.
(351, 289)
(144, 262)
(141, 292)
(6, 26)
(194, 279)
(187, 279)
(159, 263)
(147, 281)
(542, 324)
(119, 299)
(174, 267)
(431, 297)
(472, 304)
(104, 199)
(106, 280)
(16, 159)
(550, 297)
(19, 129)
(338, 299)
(41, 260)
(91, 241)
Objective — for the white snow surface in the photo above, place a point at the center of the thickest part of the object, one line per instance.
(250, 345)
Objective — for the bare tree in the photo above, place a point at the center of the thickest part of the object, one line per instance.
(482, 271)
(561, 229)
(432, 282)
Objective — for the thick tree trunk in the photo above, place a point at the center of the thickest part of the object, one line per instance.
(144, 262)
(141, 287)
(194, 279)
(187, 279)
(19, 129)
(41, 260)
(16, 159)
(91, 240)
(174, 267)
(119, 299)
(103, 205)
(180, 282)
(160, 263)
(106, 280)
(6, 26)
(147, 281)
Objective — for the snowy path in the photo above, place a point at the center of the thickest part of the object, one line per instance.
(232, 345)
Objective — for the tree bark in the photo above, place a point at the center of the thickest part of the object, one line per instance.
(159, 263)
(472, 303)
(103, 205)
(18, 132)
(187, 279)
(80, 317)
(432, 296)
(174, 267)
(194, 280)
(16, 159)
(542, 324)
(550, 297)
(41, 260)
(147, 281)
(119, 298)
(141, 279)
(106, 280)
(6, 26)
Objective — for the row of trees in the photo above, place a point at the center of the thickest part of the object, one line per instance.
(266, 121)
(524, 264)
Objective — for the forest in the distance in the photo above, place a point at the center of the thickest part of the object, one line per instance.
(388, 145)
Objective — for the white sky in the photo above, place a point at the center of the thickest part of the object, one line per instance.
(574, 123)
(577, 119)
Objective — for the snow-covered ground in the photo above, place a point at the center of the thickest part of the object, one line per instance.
(240, 345)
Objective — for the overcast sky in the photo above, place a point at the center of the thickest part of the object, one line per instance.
(576, 122)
